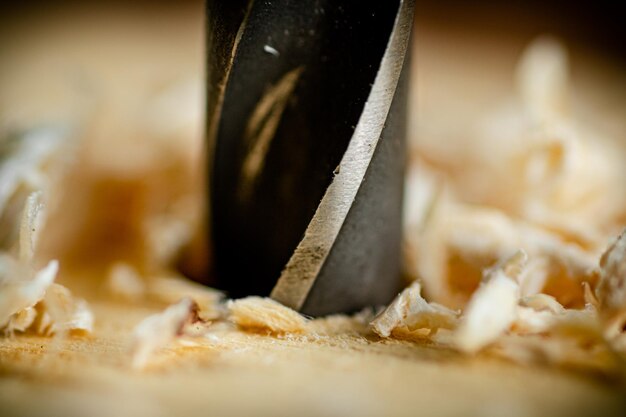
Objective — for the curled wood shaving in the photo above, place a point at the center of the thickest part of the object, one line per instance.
(29, 296)
(531, 321)
(265, 314)
(21, 292)
(65, 312)
(493, 307)
(542, 302)
(160, 329)
(411, 311)
(21, 321)
(24, 302)
(531, 177)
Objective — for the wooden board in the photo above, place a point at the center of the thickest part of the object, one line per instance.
(236, 373)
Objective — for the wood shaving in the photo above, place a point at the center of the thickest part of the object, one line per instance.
(64, 312)
(24, 301)
(158, 330)
(21, 321)
(181, 322)
(582, 325)
(28, 295)
(542, 302)
(531, 321)
(411, 311)
(529, 176)
(21, 292)
(266, 315)
(493, 307)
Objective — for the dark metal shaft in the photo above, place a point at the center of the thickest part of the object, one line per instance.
(293, 85)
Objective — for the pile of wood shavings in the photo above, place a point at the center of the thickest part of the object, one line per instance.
(529, 329)
(508, 228)
(497, 320)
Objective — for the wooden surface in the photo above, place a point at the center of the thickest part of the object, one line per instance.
(341, 371)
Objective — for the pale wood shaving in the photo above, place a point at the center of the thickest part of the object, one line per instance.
(411, 311)
(28, 295)
(20, 292)
(158, 330)
(51, 306)
(66, 313)
(493, 307)
(542, 302)
(22, 320)
(265, 314)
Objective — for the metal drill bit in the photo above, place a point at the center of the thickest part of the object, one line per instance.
(306, 139)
